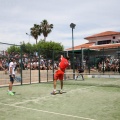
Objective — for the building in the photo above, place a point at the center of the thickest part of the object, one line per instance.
(100, 49)
(107, 39)
(101, 41)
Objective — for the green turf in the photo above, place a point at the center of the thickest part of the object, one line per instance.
(92, 99)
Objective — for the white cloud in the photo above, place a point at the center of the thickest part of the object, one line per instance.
(90, 17)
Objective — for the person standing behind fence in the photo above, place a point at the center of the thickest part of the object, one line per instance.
(80, 71)
(59, 74)
(12, 66)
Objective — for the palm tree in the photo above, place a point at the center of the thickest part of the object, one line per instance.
(35, 31)
(46, 28)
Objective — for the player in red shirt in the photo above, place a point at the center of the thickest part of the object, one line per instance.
(63, 63)
(59, 74)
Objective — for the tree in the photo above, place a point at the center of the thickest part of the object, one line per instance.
(47, 48)
(35, 31)
(46, 28)
(13, 49)
(49, 45)
(27, 48)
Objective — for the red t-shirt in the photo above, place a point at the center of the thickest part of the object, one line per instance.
(63, 64)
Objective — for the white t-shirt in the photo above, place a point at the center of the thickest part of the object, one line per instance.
(11, 64)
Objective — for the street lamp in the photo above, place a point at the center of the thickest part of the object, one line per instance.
(72, 25)
(29, 36)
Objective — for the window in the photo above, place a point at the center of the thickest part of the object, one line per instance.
(104, 42)
(113, 37)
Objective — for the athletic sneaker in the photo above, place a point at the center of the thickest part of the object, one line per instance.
(10, 93)
(61, 92)
(53, 93)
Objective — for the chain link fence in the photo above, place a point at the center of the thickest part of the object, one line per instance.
(39, 66)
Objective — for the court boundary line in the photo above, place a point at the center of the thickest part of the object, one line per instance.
(34, 100)
(38, 98)
(44, 111)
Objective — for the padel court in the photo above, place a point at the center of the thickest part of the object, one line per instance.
(91, 99)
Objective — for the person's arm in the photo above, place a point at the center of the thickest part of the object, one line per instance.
(61, 56)
(11, 71)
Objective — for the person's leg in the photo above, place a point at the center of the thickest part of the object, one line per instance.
(61, 81)
(82, 77)
(54, 84)
(61, 84)
(76, 77)
(11, 85)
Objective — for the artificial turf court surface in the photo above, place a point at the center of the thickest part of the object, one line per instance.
(92, 99)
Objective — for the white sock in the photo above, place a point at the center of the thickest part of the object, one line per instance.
(9, 91)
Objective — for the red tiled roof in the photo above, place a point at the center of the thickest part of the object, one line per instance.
(92, 46)
(86, 45)
(102, 34)
(105, 46)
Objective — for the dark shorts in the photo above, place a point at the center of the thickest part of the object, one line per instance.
(11, 79)
(80, 70)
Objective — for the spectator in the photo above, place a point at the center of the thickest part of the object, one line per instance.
(80, 71)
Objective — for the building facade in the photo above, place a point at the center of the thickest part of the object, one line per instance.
(101, 49)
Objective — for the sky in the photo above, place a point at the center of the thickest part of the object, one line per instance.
(90, 16)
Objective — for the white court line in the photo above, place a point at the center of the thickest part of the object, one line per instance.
(66, 115)
(81, 89)
(34, 100)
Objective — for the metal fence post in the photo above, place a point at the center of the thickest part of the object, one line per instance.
(119, 59)
(39, 65)
(103, 61)
(21, 64)
(53, 62)
(89, 60)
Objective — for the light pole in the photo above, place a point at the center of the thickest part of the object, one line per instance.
(72, 25)
(29, 36)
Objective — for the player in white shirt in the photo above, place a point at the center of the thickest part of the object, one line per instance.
(12, 66)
